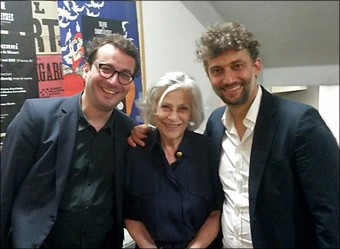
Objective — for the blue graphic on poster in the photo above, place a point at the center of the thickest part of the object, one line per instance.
(79, 21)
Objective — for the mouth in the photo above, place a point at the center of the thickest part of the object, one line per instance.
(172, 125)
(233, 87)
(109, 91)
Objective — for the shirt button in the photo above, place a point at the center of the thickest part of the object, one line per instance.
(52, 218)
(179, 154)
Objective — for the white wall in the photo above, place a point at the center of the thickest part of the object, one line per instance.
(170, 33)
(329, 107)
(325, 98)
(304, 75)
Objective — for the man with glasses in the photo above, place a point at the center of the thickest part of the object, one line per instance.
(106, 71)
(62, 161)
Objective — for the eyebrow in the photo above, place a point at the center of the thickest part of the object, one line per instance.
(230, 63)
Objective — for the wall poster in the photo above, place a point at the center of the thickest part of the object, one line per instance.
(18, 59)
(42, 48)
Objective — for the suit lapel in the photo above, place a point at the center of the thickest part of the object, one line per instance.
(120, 144)
(266, 124)
(68, 123)
(216, 127)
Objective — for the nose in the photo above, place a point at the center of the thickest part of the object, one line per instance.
(114, 79)
(173, 115)
(228, 77)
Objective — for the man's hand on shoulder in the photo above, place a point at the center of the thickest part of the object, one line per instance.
(138, 135)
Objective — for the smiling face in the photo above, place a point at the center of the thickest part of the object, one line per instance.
(173, 115)
(100, 94)
(233, 76)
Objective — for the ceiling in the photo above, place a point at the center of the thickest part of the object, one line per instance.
(291, 33)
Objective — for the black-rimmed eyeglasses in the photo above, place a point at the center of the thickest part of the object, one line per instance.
(106, 71)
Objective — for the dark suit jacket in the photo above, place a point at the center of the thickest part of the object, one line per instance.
(293, 178)
(35, 160)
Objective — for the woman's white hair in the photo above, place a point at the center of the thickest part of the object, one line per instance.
(169, 82)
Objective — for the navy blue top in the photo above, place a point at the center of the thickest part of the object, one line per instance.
(173, 201)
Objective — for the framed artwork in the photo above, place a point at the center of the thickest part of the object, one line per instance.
(79, 21)
(42, 48)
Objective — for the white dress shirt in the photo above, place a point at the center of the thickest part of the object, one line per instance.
(234, 174)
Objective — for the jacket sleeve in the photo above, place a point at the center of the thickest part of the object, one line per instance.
(317, 160)
(17, 156)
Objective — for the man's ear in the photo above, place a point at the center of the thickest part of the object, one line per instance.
(258, 66)
(86, 69)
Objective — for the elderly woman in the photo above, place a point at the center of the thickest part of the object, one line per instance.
(173, 194)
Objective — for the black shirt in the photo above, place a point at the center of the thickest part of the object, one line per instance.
(84, 214)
